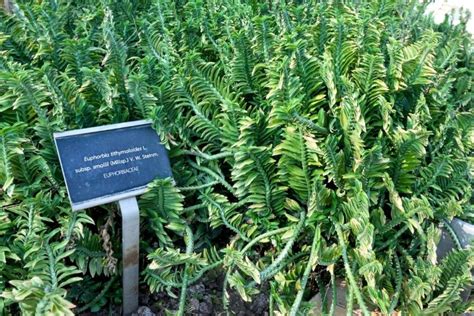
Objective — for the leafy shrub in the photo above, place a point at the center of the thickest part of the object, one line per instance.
(309, 142)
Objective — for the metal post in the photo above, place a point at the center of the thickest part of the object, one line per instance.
(130, 251)
(7, 5)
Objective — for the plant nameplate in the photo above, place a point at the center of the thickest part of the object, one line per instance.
(110, 163)
(114, 163)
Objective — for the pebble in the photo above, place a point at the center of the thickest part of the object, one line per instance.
(194, 305)
(204, 308)
(144, 311)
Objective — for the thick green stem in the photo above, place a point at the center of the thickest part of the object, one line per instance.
(204, 155)
(263, 236)
(280, 262)
(453, 235)
(266, 182)
(273, 268)
(189, 250)
(347, 268)
(244, 250)
(104, 291)
(323, 292)
(270, 304)
(225, 221)
(192, 280)
(332, 311)
(225, 301)
(314, 252)
(214, 175)
(308, 123)
(349, 302)
(194, 207)
(204, 270)
(396, 295)
(198, 187)
(393, 239)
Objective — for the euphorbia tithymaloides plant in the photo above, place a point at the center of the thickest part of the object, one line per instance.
(309, 141)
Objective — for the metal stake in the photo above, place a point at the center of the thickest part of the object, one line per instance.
(130, 251)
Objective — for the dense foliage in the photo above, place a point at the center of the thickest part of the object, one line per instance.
(309, 141)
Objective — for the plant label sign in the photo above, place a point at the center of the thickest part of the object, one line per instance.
(110, 163)
(114, 163)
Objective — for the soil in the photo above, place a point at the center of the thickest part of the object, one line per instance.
(205, 298)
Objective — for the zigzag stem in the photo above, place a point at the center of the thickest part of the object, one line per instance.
(349, 301)
(401, 153)
(6, 163)
(432, 178)
(270, 304)
(333, 293)
(406, 255)
(313, 253)
(279, 262)
(104, 291)
(31, 217)
(323, 293)
(214, 175)
(394, 222)
(347, 268)
(166, 283)
(452, 234)
(191, 281)
(161, 198)
(445, 298)
(71, 225)
(203, 155)
(393, 239)
(198, 187)
(88, 253)
(194, 207)
(266, 182)
(273, 268)
(225, 302)
(304, 163)
(308, 123)
(51, 265)
(224, 220)
(263, 236)
(189, 250)
(203, 270)
(398, 286)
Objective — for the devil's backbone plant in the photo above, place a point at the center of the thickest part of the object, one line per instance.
(309, 142)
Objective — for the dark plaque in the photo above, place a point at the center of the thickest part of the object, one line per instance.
(109, 163)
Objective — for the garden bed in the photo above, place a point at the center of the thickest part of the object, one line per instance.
(309, 142)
